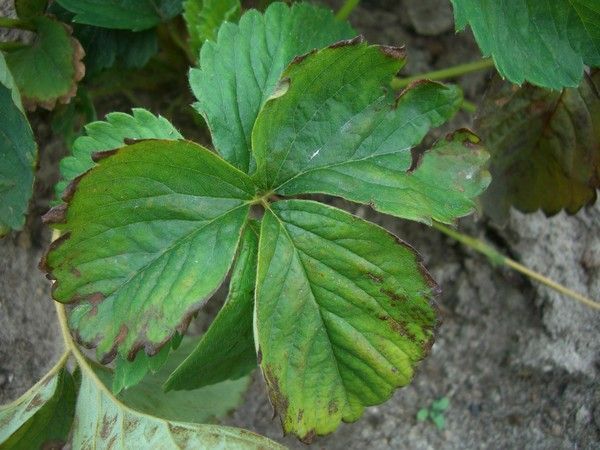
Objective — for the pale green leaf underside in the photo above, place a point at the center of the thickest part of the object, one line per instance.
(42, 415)
(241, 70)
(204, 17)
(545, 147)
(104, 422)
(337, 131)
(226, 351)
(150, 233)
(202, 405)
(109, 134)
(45, 70)
(544, 42)
(132, 15)
(18, 152)
(343, 314)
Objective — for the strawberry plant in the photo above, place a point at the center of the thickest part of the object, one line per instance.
(335, 311)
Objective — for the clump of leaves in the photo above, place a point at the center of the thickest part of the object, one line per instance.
(336, 311)
(435, 412)
(545, 147)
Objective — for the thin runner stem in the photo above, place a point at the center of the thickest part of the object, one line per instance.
(499, 259)
(444, 74)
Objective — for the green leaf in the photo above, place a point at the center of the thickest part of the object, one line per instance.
(439, 420)
(441, 404)
(423, 414)
(129, 373)
(204, 17)
(545, 43)
(106, 48)
(149, 233)
(42, 417)
(47, 71)
(343, 314)
(226, 351)
(132, 15)
(104, 421)
(30, 8)
(18, 153)
(337, 131)
(241, 70)
(109, 134)
(545, 147)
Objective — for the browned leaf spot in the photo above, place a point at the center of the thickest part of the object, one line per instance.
(278, 400)
(393, 52)
(99, 156)
(35, 402)
(401, 329)
(58, 214)
(375, 278)
(259, 356)
(300, 415)
(348, 42)
(53, 444)
(391, 294)
(309, 437)
(298, 59)
(107, 424)
(332, 407)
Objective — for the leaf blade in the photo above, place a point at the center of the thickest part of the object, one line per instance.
(156, 210)
(226, 351)
(356, 302)
(544, 43)
(18, 152)
(250, 58)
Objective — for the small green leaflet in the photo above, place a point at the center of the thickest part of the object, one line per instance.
(335, 130)
(42, 417)
(156, 227)
(18, 153)
(221, 354)
(544, 42)
(47, 71)
(240, 71)
(134, 15)
(204, 17)
(109, 134)
(204, 405)
(104, 421)
(343, 313)
(545, 147)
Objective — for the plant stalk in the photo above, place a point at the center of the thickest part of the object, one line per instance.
(499, 259)
(347, 8)
(443, 74)
(8, 22)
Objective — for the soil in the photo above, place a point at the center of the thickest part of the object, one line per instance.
(518, 362)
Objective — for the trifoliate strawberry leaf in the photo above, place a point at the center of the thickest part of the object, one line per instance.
(48, 70)
(149, 234)
(105, 421)
(343, 314)
(545, 147)
(109, 134)
(545, 43)
(42, 417)
(241, 70)
(334, 129)
(204, 17)
(132, 15)
(226, 351)
(18, 153)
